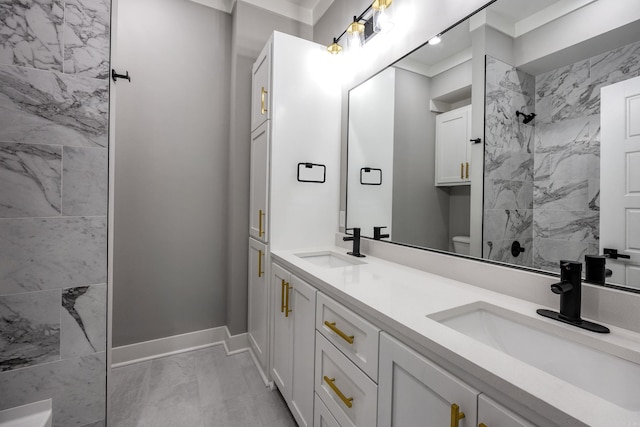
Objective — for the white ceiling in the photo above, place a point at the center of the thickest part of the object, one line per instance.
(305, 11)
(514, 17)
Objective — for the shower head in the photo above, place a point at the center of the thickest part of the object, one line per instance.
(526, 117)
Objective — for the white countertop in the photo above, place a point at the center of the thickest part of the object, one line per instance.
(398, 299)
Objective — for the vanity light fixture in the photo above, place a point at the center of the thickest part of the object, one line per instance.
(435, 40)
(374, 19)
(334, 48)
(355, 34)
(382, 21)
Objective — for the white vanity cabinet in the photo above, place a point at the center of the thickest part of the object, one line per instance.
(349, 394)
(261, 88)
(413, 391)
(350, 333)
(492, 414)
(293, 308)
(453, 147)
(346, 364)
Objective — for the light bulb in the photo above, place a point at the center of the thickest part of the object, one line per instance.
(382, 20)
(355, 35)
(435, 40)
(334, 48)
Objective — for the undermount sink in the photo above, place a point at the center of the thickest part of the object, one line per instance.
(329, 259)
(591, 364)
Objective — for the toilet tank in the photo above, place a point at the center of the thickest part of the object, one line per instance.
(461, 244)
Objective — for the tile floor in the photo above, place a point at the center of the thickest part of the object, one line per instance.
(203, 388)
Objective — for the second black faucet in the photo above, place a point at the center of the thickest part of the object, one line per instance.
(356, 242)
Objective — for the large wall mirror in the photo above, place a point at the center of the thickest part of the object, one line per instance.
(523, 120)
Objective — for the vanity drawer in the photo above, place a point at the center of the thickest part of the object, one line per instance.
(322, 417)
(354, 336)
(350, 396)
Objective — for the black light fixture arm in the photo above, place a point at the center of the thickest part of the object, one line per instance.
(355, 19)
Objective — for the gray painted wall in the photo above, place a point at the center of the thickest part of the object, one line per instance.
(53, 207)
(171, 167)
(420, 209)
(182, 166)
(252, 27)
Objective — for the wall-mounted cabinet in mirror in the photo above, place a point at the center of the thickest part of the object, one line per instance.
(552, 89)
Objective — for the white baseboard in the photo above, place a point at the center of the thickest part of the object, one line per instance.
(176, 344)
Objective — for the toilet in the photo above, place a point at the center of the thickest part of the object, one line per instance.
(461, 244)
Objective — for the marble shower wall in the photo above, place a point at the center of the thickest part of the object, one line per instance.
(54, 65)
(508, 163)
(567, 154)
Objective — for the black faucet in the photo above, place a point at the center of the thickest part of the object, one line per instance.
(596, 270)
(377, 233)
(356, 242)
(570, 290)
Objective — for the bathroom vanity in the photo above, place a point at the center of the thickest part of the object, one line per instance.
(399, 346)
(405, 336)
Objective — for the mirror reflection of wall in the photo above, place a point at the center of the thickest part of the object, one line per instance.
(392, 127)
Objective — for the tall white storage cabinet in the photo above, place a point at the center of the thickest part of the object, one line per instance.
(295, 165)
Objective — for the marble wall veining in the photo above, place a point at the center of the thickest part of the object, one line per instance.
(542, 180)
(566, 200)
(54, 101)
(508, 163)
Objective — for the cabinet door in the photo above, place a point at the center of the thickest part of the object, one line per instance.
(322, 417)
(412, 391)
(282, 328)
(258, 301)
(492, 414)
(453, 148)
(349, 394)
(259, 184)
(260, 88)
(303, 309)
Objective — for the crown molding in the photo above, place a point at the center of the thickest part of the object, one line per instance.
(530, 23)
(222, 5)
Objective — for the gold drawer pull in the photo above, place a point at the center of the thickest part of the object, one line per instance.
(260, 254)
(334, 328)
(348, 401)
(260, 219)
(287, 310)
(482, 425)
(461, 170)
(467, 174)
(282, 297)
(456, 415)
(263, 106)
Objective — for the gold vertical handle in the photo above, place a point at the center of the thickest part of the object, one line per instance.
(260, 220)
(334, 328)
(456, 415)
(467, 171)
(282, 297)
(461, 170)
(263, 106)
(260, 255)
(348, 401)
(287, 310)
